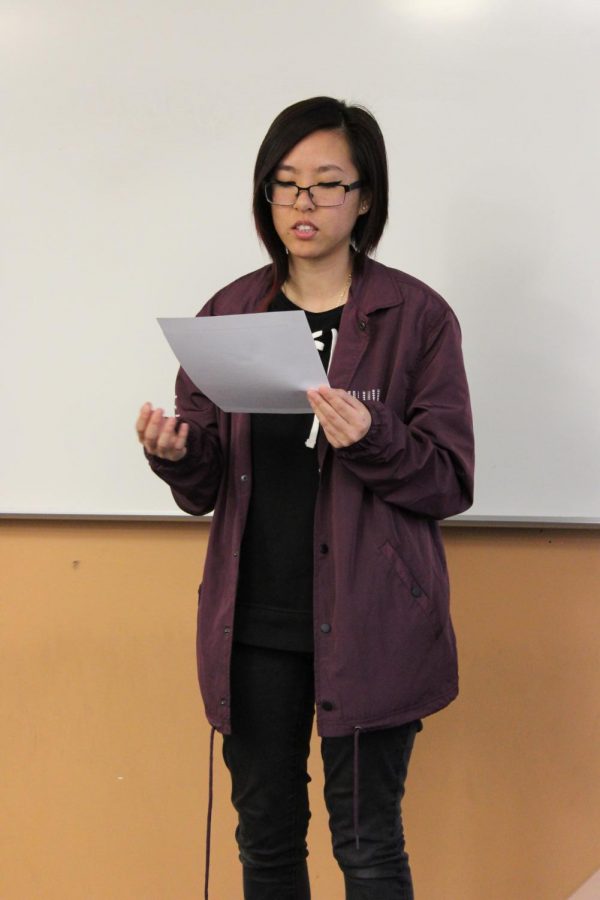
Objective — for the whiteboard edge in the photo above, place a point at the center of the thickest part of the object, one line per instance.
(463, 521)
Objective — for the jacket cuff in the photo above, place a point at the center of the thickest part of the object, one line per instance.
(385, 428)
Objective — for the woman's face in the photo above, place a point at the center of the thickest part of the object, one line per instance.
(318, 232)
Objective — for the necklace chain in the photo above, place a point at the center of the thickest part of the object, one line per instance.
(338, 299)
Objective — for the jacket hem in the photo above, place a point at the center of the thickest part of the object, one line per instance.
(343, 728)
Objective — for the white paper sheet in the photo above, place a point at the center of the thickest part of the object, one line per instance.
(259, 362)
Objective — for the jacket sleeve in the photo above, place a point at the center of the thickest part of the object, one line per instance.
(423, 462)
(195, 479)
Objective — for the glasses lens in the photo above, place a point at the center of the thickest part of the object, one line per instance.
(282, 193)
(328, 194)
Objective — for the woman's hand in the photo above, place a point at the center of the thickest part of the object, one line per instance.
(159, 435)
(344, 419)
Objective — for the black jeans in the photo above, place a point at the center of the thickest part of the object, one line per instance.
(272, 714)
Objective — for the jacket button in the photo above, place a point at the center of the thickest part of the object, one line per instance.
(416, 591)
(325, 628)
(327, 705)
(223, 701)
(227, 630)
(243, 478)
(236, 553)
(362, 325)
(324, 548)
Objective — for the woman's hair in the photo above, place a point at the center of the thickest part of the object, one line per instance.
(367, 149)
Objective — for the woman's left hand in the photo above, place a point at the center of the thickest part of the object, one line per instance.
(344, 419)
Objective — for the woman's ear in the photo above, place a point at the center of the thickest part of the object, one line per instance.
(365, 203)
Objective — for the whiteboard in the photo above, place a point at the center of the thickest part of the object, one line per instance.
(129, 131)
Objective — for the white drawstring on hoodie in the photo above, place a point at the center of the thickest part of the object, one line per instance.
(312, 437)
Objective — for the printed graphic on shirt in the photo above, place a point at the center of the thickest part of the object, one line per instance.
(326, 354)
(368, 394)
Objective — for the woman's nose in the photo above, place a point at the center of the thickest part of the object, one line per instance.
(304, 200)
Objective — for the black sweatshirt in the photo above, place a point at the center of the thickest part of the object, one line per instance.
(274, 599)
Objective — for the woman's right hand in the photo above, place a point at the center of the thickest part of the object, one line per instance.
(159, 433)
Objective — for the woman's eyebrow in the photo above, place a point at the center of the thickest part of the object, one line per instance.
(325, 168)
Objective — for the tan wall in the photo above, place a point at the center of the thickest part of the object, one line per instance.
(104, 744)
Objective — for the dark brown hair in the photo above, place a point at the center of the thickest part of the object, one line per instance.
(367, 149)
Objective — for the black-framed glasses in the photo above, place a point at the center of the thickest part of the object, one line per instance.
(332, 193)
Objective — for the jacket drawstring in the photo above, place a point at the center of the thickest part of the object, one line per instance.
(312, 437)
(356, 786)
(209, 815)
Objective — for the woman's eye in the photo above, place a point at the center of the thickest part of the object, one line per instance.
(284, 184)
(328, 184)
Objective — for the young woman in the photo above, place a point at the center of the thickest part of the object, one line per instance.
(325, 580)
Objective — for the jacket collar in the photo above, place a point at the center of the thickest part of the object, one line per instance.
(375, 288)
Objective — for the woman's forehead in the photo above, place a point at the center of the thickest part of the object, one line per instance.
(322, 152)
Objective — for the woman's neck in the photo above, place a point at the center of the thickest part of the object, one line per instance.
(316, 285)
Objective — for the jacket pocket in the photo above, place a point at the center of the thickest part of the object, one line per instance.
(413, 588)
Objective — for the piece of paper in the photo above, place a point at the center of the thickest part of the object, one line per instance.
(259, 362)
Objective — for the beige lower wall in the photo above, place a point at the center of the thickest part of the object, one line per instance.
(104, 745)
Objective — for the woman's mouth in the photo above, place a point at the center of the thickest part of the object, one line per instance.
(304, 230)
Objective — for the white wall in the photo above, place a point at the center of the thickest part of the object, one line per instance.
(128, 136)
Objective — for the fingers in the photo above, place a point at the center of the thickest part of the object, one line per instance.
(341, 401)
(160, 435)
(171, 443)
(181, 437)
(142, 421)
(344, 419)
(149, 426)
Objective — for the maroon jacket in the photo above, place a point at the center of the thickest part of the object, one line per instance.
(387, 653)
